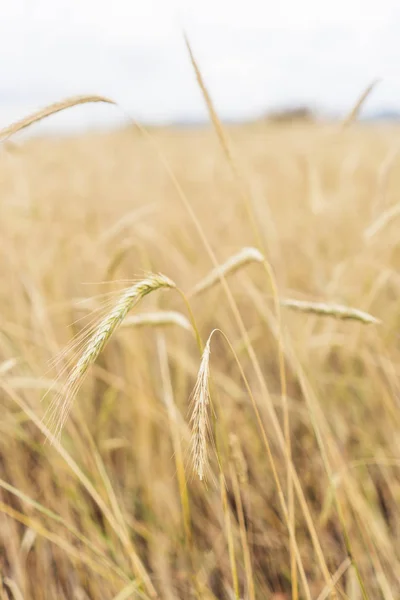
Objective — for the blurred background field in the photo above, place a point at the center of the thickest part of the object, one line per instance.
(81, 216)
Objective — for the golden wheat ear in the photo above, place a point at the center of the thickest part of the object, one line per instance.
(199, 420)
(244, 257)
(49, 110)
(60, 408)
(330, 310)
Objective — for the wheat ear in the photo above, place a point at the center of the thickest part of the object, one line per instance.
(332, 310)
(60, 408)
(199, 420)
(51, 109)
(233, 264)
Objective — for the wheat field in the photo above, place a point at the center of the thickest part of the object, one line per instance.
(300, 493)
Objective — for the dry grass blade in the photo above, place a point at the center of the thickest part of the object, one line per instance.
(60, 408)
(330, 310)
(381, 222)
(243, 534)
(129, 591)
(335, 578)
(157, 319)
(238, 459)
(55, 517)
(210, 106)
(385, 171)
(36, 526)
(199, 420)
(7, 365)
(13, 588)
(119, 257)
(126, 221)
(50, 110)
(230, 539)
(353, 114)
(233, 264)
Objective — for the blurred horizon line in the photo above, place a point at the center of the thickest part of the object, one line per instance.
(93, 118)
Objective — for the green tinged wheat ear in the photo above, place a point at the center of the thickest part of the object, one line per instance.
(233, 264)
(60, 408)
(332, 310)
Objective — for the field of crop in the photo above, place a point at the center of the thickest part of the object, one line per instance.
(114, 506)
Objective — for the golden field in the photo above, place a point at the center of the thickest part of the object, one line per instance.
(114, 508)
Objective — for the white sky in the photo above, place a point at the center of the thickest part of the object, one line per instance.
(254, 55)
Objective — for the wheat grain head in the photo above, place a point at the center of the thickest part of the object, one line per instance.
(60, 408)
(199, 420)
(331, 310)
(233, 264)
(51, 109)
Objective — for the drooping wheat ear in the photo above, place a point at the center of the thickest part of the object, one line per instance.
(60, 408)
(50, 110)
(352, 116)
(233, 264)
(331, 310)
(199, 420)
(156, 319)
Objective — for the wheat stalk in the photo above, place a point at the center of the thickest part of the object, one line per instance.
(332, 310)
(60, 408)
(51, 109)
(233, 264)
(199, 420)
(384, 172)
(238, 459)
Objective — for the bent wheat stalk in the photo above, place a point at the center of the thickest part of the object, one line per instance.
(233, 264)
(60, 408)
(331, 310)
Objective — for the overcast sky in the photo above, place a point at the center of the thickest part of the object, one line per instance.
(254, 54)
